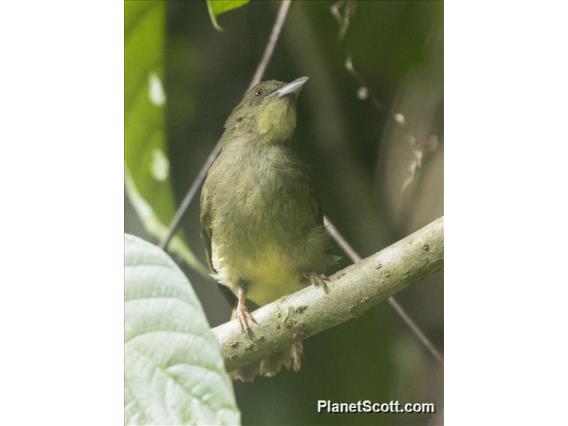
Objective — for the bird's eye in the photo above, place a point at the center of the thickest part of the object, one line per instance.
(258, 93)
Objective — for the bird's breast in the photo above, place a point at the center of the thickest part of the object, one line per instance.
(266, 190)
(263, 211)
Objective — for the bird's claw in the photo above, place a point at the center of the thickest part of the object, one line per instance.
(319, 280)
(242, 314)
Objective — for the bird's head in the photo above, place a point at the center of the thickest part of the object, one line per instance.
(268, 110)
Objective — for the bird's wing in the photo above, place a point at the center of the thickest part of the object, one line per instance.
(205, 212)
(205, 220)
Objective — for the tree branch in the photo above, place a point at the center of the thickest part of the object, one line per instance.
(354, 256)
(353, 291)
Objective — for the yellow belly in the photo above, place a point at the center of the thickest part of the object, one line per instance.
(271, 275)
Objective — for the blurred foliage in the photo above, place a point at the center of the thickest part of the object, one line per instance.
(360, 158)
(148, 182)
(164, 383)
(217, 7)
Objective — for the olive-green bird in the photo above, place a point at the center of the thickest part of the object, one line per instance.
(261, 224)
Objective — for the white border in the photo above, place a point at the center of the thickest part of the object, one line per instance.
(506, 212)
(61, 174)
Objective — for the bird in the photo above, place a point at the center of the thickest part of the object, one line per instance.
(261, 222)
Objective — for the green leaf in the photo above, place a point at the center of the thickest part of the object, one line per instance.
(148, 183)
(174, 372)
(217, 7)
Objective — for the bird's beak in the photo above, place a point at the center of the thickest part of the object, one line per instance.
(293, 87)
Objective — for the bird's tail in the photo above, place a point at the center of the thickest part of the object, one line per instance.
(291, 358)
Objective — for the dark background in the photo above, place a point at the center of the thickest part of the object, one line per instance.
(360, 159)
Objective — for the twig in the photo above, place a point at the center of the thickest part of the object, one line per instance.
(343, 20)
(260, 69)
(364, 92)
(342, 242)
(274, 35)
(353, 291)
(355, 258)
(180, 212)
(415, 329)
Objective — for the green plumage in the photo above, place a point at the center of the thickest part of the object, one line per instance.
(260, 220)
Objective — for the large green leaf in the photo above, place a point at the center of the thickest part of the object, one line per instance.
(174, 372)
(217, 7)
(148, 182)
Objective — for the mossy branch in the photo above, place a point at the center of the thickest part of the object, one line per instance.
(353, 291)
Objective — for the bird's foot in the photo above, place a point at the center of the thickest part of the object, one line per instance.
(242, 314)
(318, 280)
